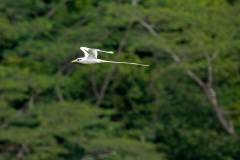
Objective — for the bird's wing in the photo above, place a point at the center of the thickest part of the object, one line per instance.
(85, 51)
(92, 53)
(98, 50)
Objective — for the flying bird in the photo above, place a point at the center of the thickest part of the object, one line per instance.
(91, 57)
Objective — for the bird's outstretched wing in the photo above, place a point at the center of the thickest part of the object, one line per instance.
(100, 50)
(92, 53)
(85, 51)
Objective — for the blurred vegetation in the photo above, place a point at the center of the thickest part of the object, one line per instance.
(52, 109)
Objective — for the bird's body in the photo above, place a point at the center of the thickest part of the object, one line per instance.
(91, 57)
(90, 61)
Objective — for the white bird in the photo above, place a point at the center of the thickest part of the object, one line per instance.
(91, 57)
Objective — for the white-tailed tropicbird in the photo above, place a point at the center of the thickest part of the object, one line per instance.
(91, 57)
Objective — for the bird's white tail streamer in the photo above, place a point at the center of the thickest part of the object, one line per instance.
(125, 63)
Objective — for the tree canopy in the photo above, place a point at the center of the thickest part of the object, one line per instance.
(185, 105)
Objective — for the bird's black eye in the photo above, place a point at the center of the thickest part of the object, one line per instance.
(79, 59)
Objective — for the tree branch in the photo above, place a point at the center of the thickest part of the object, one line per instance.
(209, 69)
(5, 123)
(81, 21)
(211, 95)
(93, 81)
(134, 2)
(57, 85)
(195, 77)
(24, 148)
(171, 53)
(208, 90)
(59, 93)
(234, 33)
(31, 100)
(109, 75)
(119, 50)
(229, 112)
(156, 35)
(215, 54)
(99, 155)
(53, 10)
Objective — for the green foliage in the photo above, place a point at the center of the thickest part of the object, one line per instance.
(156, 112)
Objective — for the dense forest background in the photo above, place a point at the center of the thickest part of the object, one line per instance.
(185, 105)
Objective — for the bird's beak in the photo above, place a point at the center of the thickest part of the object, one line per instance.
(74, 61)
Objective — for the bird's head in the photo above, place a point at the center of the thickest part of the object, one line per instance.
(77, 60)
